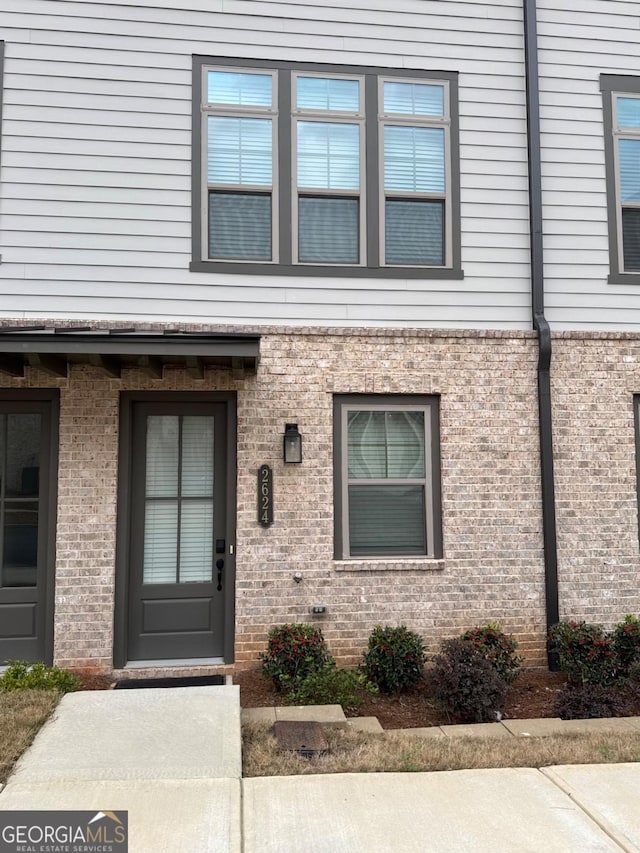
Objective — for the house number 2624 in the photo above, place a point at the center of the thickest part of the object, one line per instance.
(265, 496)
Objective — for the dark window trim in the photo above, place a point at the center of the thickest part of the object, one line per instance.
(432, 402)
(123, 523)
(48, 498)
(610, 83)
(454, 272)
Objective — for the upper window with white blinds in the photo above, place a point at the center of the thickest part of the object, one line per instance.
(326, 170)
(622, 156)
(628, 160)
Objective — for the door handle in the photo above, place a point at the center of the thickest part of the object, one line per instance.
(219, 567)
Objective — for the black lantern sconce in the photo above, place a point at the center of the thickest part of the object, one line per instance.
(292, 444)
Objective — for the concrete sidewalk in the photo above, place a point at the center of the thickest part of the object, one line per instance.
(171, 758)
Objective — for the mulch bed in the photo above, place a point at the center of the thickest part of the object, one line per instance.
(531, 696)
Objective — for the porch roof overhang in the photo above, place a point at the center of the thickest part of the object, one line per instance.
(54, 349)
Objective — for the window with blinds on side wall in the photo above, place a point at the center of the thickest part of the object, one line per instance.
(621, 103)
(322, 170)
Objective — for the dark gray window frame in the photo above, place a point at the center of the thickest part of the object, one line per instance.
(432, 405)
(610, 84)
(124, 521)
(373, 268)
(49, 497)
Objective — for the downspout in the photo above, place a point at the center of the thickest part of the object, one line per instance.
(540, 323)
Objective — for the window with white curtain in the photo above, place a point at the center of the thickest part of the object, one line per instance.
(622, 154)
(386, 477)
(314, 169)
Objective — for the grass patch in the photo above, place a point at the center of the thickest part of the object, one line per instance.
(22, 712)
(355, 752)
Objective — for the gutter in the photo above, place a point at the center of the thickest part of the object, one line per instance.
(540, 323)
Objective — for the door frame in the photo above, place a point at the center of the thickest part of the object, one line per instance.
(48, 504)
(124, 508)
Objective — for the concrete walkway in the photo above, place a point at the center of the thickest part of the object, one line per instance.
(171, 758)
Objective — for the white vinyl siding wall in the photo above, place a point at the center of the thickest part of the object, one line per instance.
(577, 44)
(95, 187)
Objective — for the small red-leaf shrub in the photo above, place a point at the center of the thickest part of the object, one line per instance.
(293, 651)
(587, 653)
(465, 684)
(588, 701)
(626, 640)
(498, 648)
(394, 660)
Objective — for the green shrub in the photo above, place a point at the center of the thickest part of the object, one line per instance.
(332, 686)
(588, 701)
(496, 647)
(466, 684)
(586, 652)
(293, 651)
(37, 676)
(626, 641)
(394, 659)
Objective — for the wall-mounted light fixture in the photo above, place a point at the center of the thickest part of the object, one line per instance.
(292, 444)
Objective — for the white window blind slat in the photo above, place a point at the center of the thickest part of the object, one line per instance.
(414, 159)
(328, 155)
(239, 88)
(326, 93)
(629, 164)
(239, 151)
(196, 541)
(197, 456)
(418, 99)
(162, 456)
(628, 112)
(160, 542)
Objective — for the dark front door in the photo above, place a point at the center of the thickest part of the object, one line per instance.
(26, 521)
(179, 555)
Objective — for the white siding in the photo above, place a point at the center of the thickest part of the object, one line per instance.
(577, 44)
(95, 201)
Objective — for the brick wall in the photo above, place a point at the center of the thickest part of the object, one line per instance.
(594, 380)
(492, 539)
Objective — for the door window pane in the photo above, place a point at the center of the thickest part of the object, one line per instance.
(20, 544)
(178, 531)
(197, 456)
(414, 232)
(196, 541)
(387, 520)
(239, 88)
(328, 230)
(328, 155)
(23, 455)
(325, 93)
(160, 542)
(162, 456)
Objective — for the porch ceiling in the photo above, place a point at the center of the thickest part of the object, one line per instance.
(53, 349)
